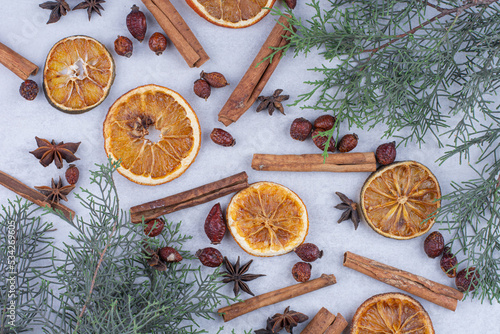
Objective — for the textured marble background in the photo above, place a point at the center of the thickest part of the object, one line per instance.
(23, 28)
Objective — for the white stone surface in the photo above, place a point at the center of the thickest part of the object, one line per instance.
(23, 28)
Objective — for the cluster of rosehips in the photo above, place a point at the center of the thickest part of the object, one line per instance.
(466, 279)
(203, 86)
(137, 26)
(307, 252)
(215, 229)
(153, 228)
(301, 128)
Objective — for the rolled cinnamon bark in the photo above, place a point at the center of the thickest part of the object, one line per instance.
(21, 66)
(436, 293)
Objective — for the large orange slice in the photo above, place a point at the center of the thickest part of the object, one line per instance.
(398, 201)
(78, 74)
(152, 161)
(267, 219)
(232, 13)
(391, 313)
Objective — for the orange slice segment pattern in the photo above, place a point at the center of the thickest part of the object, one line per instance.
(143, 159)
(391, 313)
(78, 74)
(267, 219)
(399, 200)
(232, 13)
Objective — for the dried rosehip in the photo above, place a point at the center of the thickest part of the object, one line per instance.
(214, 79)
(467, 279)
(301, 271)
(222, 137)
(449, 262)
(324, 122)
(320, 141)
(300, 129)
(209, 257)
(348, 143)
(291, 3)
(29, 90)
(434, 244)
(154, 227)
(72, 174)
(158, 43)
(136, 23)
(169, 254)
(308, 252)
(215, 226)
(202, 89)
(124, 46)
(386, 153)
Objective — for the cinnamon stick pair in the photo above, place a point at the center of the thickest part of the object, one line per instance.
(189, 198)
(340, 162)
(255, 79)
(436, 293)
(21, 66)
(178, 31)
(324, 322)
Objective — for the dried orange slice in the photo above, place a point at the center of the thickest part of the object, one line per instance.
(267, 219)
(391, 313)
(78, 74)
(398, 200)
(152, 161)
(232, 13)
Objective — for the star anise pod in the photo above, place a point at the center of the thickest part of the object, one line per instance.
(91, 6)
(287, 320)
(50, 151)
(272, 102)
(268, 329)
(56, 191)
(350, 210)
(236, 274)
(154, 259)
(59, 8)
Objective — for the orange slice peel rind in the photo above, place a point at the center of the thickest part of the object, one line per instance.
(399, 200)
(78, 74)
(127, 126)
(267, 219)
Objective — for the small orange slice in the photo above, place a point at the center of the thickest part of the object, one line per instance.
(78, 74)
(398, 200)
(391, 313)
(232, 13)
(267, 219)
(146, 161)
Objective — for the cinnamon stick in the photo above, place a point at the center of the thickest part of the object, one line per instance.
(340, 162)
(321, 321)
(233, 311)
(33, 195)
(253, 82)
(338, 325)
(178, 31)
(21, 66)
(189, 198)
(436, 293)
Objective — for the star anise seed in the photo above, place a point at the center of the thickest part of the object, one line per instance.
(287, 320)
(50, 151)
(56, 192)
(59, 8)
(268, 329)
(91, 6)
(236, 274)
(272, 102)
(154, 259)
(350, 210)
